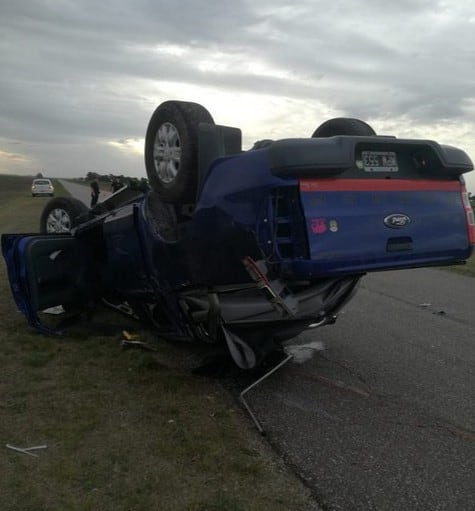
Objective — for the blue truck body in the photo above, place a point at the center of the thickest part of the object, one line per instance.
(277, 240)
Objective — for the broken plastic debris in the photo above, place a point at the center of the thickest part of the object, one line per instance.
(58, 309)
(129, 336)
(303, 352)
(26, 450)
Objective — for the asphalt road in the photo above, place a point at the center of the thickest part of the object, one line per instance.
(382, 416)
(82, 191)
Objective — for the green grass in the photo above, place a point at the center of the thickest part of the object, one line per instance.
(19, 211)
(125, 430)
(467, 269)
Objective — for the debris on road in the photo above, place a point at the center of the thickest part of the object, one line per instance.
(262, 378)
(303, 352)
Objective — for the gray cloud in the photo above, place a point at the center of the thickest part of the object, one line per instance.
(76, 74)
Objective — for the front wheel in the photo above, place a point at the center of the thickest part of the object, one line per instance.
(60, 215)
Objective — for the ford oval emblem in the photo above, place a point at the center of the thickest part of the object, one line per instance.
(397, 221)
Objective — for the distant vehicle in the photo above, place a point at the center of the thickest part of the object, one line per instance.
(246, 249)
(42, 187)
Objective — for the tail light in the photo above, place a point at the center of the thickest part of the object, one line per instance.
(470, 216)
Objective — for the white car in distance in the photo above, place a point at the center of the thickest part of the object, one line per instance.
(42, 187)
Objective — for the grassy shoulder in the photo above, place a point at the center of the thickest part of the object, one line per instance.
(467, 269)
(126, 430)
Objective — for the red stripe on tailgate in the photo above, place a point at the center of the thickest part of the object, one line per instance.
(377, 185)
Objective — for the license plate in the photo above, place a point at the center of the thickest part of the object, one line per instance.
(379, 161)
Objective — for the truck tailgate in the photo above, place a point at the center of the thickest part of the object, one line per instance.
(374, 224)
(377, 203)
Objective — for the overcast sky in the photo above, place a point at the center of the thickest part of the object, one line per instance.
(79, 79)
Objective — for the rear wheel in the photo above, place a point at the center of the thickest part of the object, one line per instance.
(344, 126)
(60, 215)
(171, 149)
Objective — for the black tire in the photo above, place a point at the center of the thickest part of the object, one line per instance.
(171, 150)
(61, 214)
(344, 126)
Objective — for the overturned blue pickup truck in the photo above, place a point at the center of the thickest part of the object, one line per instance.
(246, 249)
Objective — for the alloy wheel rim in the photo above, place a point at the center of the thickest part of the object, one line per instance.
(58, 221)
(167, 153)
